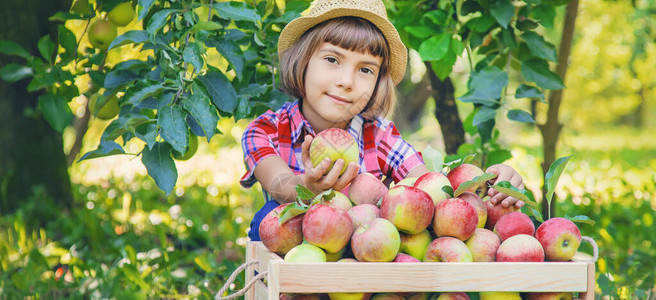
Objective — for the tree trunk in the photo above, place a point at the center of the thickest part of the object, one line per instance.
(32, 153)
(412, 100)
(446, 112)
(551, 128)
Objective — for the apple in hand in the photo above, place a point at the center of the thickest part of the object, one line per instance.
(478, 204)
(305, 253)
(483, 245)
(334, 143)
(415, 245)
(549, 296)
(455, 217)
(514, 223)
(376, 241)
(465, 172)
(408, 208)
(362, 214)
(366, 188)
(447, 249)
(520, 248)
(280, 238)
(495, 212)
(327, 227)
(560, 238)
(432, 183)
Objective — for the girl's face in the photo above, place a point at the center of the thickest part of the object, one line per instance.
(338, 85)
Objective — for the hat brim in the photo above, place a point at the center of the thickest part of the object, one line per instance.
(398, 52)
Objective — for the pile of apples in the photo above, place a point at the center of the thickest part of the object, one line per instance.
(416, 220)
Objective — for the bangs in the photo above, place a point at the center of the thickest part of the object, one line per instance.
(355, 34)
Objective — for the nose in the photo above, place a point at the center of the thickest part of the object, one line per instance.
(346, 80)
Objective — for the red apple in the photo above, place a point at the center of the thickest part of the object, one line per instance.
(366, 188)
(549, 296)
(305, 253)
(455, 217)
(453, 296)
(447, 249)
(280, 238)
(462, 173)
(363, 213)
(327, 227)
(514, 223)
(520, 248)
(432, 183)
(495, 212)
(408, 181)
(334, 143)
(402, 257)
(478, 204)
(483, 245)
(377, 241)
(560, 238)
(415, 245)
(408, 208)
(340, 201)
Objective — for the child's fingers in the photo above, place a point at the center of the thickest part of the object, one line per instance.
(315, 174)
(348, 176)
(330, 178)
(305, 152)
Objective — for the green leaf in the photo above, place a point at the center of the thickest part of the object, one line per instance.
(537, 70)
(203, 25)
(304, 193)
(483, 115)
(160, 166)
(203, 263)
(237, 11)
(323, 197)
(520, 116)
(507, 188)
(477, 181)
(485, 86)
(497, 156)
(232, 53)
(530, 211)
(539, 47)
(435, 47)
(46, 48)
(129, 37)
(62, 16)
(200, 108)
(67, 40)
(421, 32)
(13, 72)
(158, 20)
(482, 23)
(552, 176)
(171, 119)
(56, 111)
(119, 77)
(147, 133)
(131, 273)
(546, 13)
(220, 90)
(290, 211)
(527, 91)
(448, 189)
(81, 7)
(142, 90)
(580, 219)
(192, 55)
(433, 158)
(13, 48)
(145, 7)
(502, 11)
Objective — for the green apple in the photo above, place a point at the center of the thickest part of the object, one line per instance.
(305, 253)
(191, 149)
(499, 296)
(121, 14)
(108, 110)
(101, 34)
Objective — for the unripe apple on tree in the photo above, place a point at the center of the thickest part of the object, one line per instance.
(191, 149)
(433, 183)
(366, 188)
(280, 238)
(327, 227)
(108, 110)
(514, 223)
(455, 217)
(101, 34)
(483, 245)
(560, 238)
(520, 248)
(447, 249)
(305, 253)
(478, 204)
(121, 14)
(377, 241)
(334, 143)
(408, 208)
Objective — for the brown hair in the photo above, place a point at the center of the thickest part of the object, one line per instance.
(354, 34)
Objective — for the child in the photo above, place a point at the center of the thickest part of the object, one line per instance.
(341, 61)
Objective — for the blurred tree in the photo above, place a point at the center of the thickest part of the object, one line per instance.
(32, 153)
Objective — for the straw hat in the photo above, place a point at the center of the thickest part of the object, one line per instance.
(370, 10)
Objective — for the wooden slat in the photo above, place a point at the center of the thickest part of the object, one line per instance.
(261, 290)
(264, 255)
(427, 277)
(589, 294)
(250, 271)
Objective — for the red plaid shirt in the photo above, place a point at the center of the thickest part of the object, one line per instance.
(383, 152)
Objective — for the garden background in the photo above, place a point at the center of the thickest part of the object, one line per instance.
(107, 222)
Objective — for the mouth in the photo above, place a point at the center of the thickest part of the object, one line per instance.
(338, 99)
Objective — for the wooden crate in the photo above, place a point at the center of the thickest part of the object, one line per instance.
(285, 277)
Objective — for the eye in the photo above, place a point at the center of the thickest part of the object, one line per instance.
(331, 59)
(367, 70)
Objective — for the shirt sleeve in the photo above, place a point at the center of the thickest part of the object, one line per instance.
(257, 142)
(396, 157)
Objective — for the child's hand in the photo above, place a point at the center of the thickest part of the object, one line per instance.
(314, 178)
(504, 173)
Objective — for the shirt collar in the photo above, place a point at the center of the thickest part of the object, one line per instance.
(298, 122)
